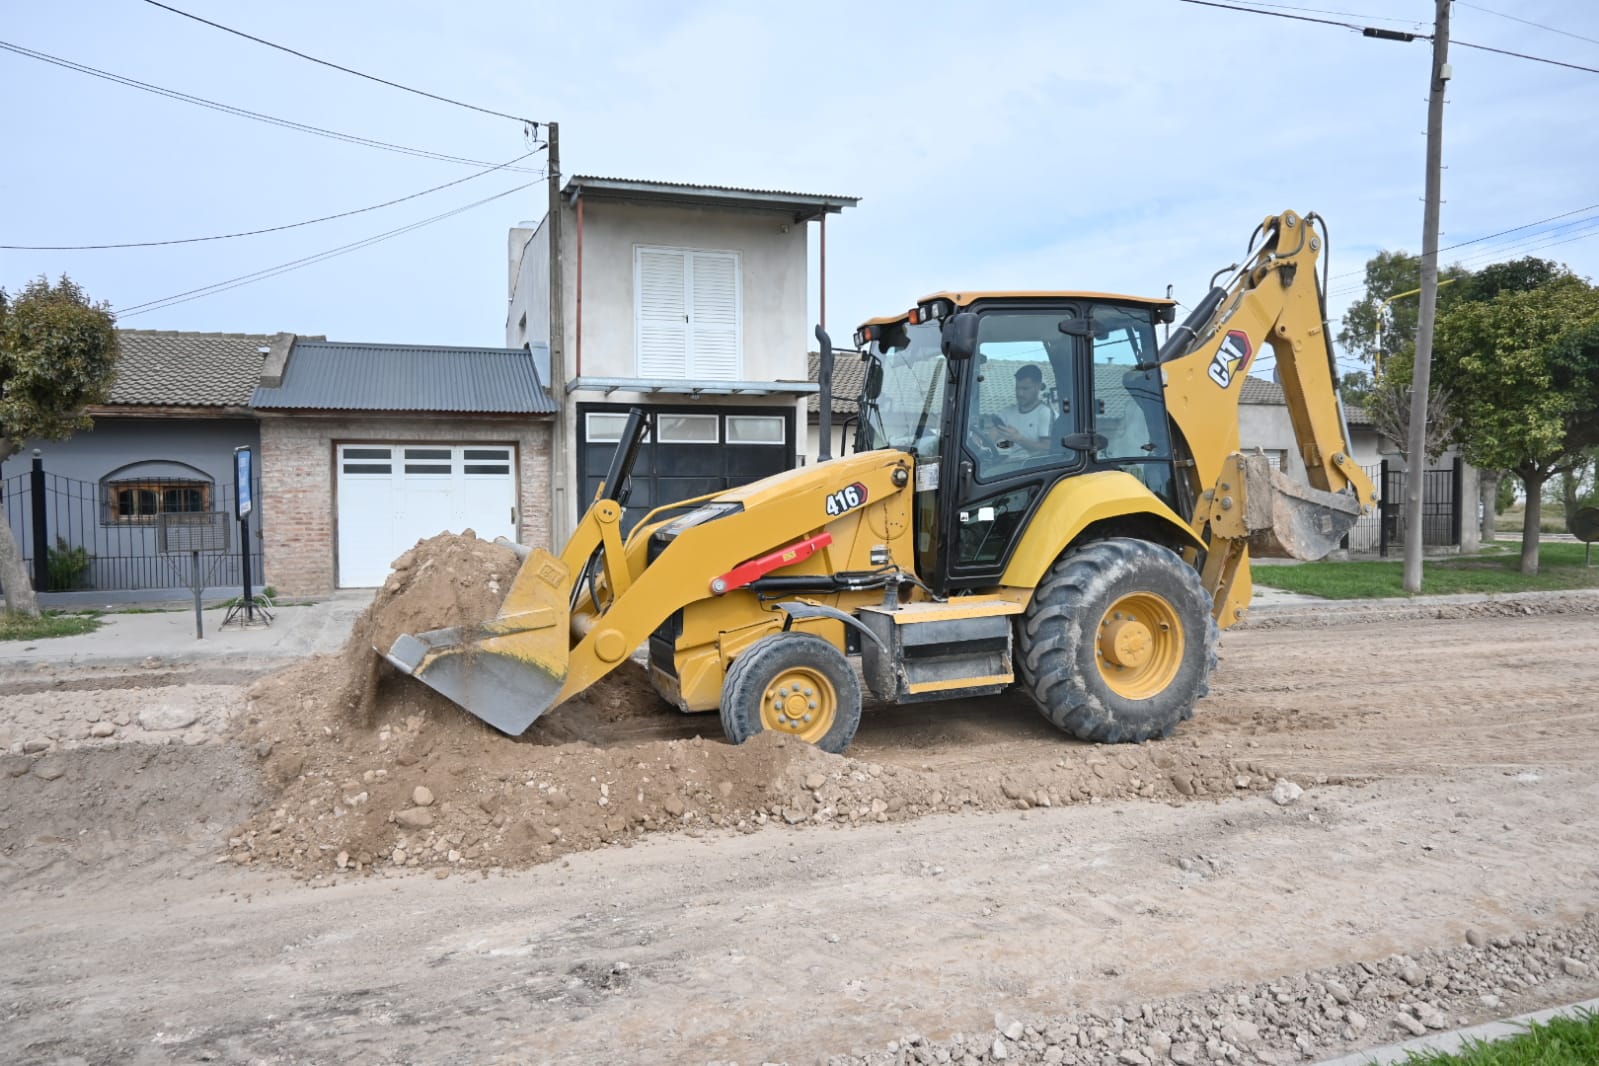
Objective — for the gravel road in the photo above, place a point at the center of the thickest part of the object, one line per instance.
(1407, 846)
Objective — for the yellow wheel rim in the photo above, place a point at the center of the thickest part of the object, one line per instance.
(1139, 646)
(800, 702)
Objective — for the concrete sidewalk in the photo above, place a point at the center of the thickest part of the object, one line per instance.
(1453, 1042)
(296, 631)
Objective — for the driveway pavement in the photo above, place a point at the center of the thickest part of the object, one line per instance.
(295, 632)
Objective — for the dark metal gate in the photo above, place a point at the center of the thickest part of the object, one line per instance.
(76, 536)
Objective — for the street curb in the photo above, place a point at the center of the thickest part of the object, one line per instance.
(1451, 1042)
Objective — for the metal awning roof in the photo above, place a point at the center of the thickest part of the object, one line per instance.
(688, 387)
(801, 206)
(328, 376)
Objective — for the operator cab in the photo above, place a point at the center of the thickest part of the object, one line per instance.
(999, 396)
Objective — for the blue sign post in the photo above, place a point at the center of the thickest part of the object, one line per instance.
(247, 612)
(243, 475)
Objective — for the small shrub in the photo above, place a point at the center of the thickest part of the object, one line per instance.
(69, 565)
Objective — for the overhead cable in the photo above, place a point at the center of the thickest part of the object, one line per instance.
(1528, 22)
(346, 70)
(256, 232)
(240, 112)
(283, 268)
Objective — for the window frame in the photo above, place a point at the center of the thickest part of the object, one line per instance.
(159, 487)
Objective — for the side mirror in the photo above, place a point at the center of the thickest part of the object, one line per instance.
(959, 338)
(874, 377)
(1077, 327)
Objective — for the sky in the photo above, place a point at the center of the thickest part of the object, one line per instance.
(1114, 146)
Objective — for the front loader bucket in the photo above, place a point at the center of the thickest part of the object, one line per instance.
(507, 671)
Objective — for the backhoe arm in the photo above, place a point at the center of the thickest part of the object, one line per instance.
(1273, 300)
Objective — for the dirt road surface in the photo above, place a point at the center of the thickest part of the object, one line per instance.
(1450, 776)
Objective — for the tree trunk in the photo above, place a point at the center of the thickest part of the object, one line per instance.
(1488, 500)
(13, 573)
(1531, 519)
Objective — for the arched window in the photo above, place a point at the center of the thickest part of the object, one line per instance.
(139, 492)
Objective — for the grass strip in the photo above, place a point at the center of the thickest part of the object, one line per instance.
(1497, 569)
(15, 626)
(1560, 1041)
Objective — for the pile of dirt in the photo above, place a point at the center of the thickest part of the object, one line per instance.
(369, 768)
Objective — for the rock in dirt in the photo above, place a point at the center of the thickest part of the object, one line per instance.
(1573, 967)
(102, 730)
(415, 818)
(49, 769)
(1285, 792)
(167, 718)
(1410, 1024)
(422, 796)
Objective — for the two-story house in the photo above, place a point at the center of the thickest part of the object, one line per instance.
(686, 300)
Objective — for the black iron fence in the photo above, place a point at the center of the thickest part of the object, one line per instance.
(1443, 510)
(85, 535)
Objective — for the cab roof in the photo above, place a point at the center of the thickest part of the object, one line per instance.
(966, 299)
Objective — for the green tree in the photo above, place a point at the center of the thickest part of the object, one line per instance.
(58, 353)
(1389, 274)
(1523, 368)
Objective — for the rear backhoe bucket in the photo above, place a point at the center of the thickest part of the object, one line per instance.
(1291, 520)
(507, 671)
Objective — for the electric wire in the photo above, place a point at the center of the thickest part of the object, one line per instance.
(255, 232)
(240, 112)
(1528, 22)
(1524, 55)
(1411, 37)
(346, 70)
(1345, 14)
(1480, 240)
(134, 310)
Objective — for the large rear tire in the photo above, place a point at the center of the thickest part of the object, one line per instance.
(1118, 643)
(796, 684)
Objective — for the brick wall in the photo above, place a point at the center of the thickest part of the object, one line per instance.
(297, 477)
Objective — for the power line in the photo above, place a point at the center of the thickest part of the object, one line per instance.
(1345, 14)
(283, 268)
(240, 112)
(1527, 22)
(1479, 240)
(1523, 55)
(347, 70)
(1389, 34)
(1275, 14)
(254, 232)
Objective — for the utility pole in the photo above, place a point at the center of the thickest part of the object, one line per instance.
(1416, 454)
(560, 521)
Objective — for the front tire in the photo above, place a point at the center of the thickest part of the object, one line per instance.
(796, 684)
(1118, 642)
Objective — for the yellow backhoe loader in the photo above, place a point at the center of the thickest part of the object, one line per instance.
(1040, 495)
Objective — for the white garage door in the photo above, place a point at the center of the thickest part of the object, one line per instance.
(391, 496)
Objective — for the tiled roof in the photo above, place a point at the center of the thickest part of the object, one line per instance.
(1259, 390)
(849, 374)
(169, 368)
(327, 376)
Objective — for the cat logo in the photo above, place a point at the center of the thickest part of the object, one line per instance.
(1231, 358)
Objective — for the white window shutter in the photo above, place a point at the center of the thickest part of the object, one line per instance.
(663, 313)
(714, 316)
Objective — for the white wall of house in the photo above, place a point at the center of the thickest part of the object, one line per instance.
(601, 338)
(528, 317)
(772, 264)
